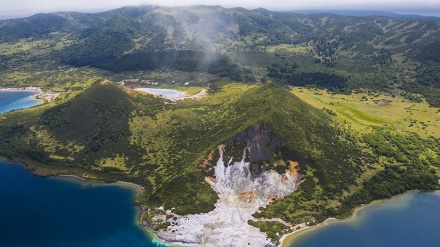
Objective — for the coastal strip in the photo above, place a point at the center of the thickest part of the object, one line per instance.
(200, 95)
(36, 90)
(138, 189)
(290, 238)
(39, 94)
(286, 240)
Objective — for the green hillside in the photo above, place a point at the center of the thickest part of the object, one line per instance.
(160, 143)
(112, 133)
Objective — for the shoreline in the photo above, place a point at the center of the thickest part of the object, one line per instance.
(183, 95)
(152, 90)
(200, 95)
(287, 239)
(35, 99)
(134, 187)
(38, 93)
(36, 90)
(140, 208)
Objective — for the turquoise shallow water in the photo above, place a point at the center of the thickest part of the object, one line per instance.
(409, 220)
(59, 212)
(14, 100)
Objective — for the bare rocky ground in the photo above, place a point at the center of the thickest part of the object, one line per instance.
(241, 194)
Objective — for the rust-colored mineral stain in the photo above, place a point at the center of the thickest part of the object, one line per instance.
(293, 168)
(272, 199)
(205, 162)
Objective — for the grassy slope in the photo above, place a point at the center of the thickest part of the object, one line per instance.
(306, 130)
(111, 133)
(404, 154)
(364, 110)
(133, 137)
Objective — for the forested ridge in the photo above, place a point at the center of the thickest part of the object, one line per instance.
(340, 53)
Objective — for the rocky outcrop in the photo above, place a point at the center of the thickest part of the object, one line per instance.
(257, 139)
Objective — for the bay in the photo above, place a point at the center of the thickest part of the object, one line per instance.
(15, 100)
(409, 220)
(65, 212)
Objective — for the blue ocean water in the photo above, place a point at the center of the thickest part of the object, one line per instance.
(166, 93)
(14, 100)
(58, 212)
(409, 220)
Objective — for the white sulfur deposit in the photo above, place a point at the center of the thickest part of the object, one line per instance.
(241, 194)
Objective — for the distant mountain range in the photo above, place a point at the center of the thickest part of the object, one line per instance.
(365, 13)
(359, 13)
(341, 53)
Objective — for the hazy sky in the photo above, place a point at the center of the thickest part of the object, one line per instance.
(15, 8)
